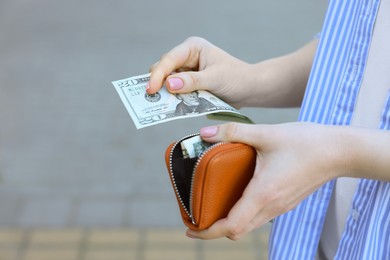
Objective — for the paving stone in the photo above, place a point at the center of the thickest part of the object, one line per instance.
(112, 254)
(11, 237)
(166, 238)
(171, 254)
(9, 253)
(56, 238)
(246, 242)
(113, 238)
(228, 254)
(50, 254)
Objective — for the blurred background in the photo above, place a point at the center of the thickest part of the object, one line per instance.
(77, 180)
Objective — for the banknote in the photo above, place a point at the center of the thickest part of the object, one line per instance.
(194, 147)
(163, 106)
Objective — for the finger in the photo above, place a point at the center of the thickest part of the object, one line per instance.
(239, 220)
(218, 230)
(153, 66)
(186, 82)
(213, 232)
(183, 55)
(234, 227)
(237, 132)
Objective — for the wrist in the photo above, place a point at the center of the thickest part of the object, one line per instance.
(279, 82)
(363, 153)
(369, 154)
(338, 153)
(345, 153)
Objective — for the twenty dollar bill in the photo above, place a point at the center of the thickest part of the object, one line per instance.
(147, 110)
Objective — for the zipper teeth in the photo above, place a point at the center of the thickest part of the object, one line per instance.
(173, 177)
(192, 178)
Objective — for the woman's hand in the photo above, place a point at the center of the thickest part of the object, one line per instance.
(196, 64)
(293, 160)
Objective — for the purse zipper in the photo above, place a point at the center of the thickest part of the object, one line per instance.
(188, 211)
(192, 178)
(173, 177)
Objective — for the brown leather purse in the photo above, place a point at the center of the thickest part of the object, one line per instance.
(208, 186)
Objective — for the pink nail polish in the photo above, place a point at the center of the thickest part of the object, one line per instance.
(191, 234)
(175, 83)
(209, 131)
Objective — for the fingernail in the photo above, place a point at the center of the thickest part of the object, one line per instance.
(190, 234)
(175, 83)
(209, 131)
(147, 86)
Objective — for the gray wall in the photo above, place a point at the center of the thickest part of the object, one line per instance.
(69, 152)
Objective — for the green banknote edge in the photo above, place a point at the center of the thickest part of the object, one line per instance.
(231, 117)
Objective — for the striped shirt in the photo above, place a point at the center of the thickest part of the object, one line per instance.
(330, 98)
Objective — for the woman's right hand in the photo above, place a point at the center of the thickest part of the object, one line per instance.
(196, 64)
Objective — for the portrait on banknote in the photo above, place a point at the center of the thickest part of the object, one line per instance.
(191, 103)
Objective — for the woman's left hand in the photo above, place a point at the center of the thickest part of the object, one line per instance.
(293, 160)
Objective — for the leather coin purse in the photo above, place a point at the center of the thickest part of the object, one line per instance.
(208, 186)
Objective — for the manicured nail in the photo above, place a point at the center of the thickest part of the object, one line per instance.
(175, 83)
(209, 131)
(190, 234)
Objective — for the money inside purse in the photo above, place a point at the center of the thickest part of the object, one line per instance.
(183, 161)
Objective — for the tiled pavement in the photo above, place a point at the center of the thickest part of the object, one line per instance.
(125, 244)
(77, 180)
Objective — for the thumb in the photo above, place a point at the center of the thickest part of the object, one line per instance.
(236, 132)
(185, 82)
